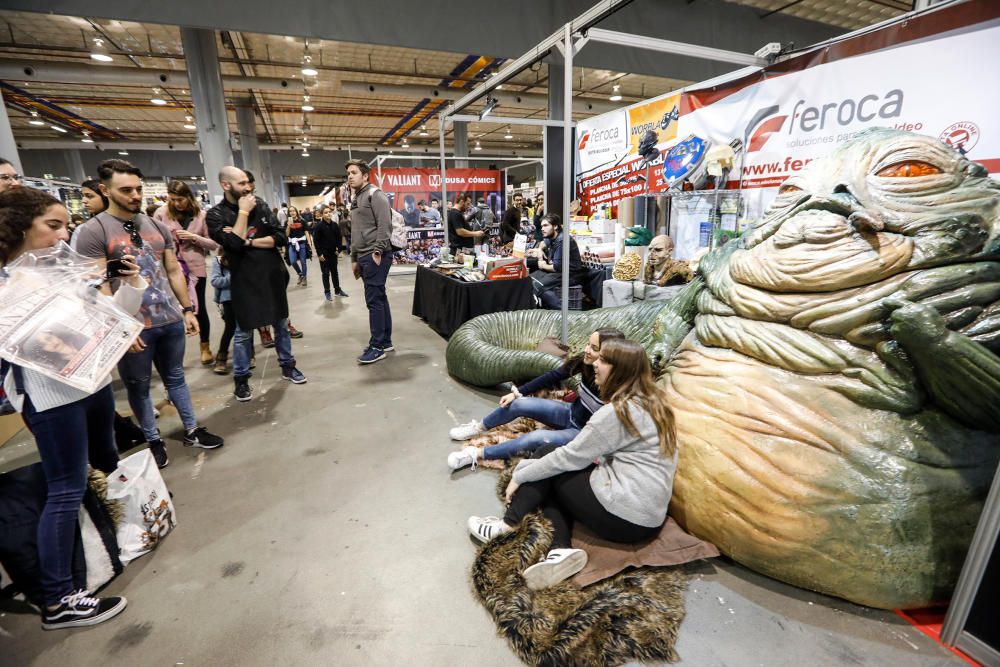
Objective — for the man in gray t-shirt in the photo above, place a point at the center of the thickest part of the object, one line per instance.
(167, 310)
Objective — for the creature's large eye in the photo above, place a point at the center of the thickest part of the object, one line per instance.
(788, 189)
(908, 169)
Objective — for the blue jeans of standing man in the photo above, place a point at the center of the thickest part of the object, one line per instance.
(68, 437)
(165, 350)
(243, 344)
(555, 414)
(297, 256)
(379, 317)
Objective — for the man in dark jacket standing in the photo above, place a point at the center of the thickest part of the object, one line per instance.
(510, 224)
(329, 244)
(371, 256)
(251, 236)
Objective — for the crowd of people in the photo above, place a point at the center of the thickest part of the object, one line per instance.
(606, 459)
(156, 265)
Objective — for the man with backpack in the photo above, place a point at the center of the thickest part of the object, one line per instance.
(371, 255)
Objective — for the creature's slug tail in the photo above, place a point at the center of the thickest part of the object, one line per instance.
(495, 348)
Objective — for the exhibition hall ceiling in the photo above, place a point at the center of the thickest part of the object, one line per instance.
(124, 111)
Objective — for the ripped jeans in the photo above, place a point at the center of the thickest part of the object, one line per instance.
(555, 414)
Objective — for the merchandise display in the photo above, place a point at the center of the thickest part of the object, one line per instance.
(857, 368)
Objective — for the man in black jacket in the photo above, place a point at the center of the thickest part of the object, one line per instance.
(510, 224)
(251, 236)
(329, 243)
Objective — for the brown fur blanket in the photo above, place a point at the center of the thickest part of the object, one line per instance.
(631, 616)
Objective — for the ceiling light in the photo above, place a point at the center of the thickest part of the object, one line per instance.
(478, 147)
(508, 135)
(305, 154)
(405, 144)
(491, 104)
(305, 144)
(100, 52)
(190, 126)
(309, 71)
(423, 130)
(306, 127)
(615, 95)
(87, 140)
(59, 129)
(156, 99)
(123, 152)
(305, 104)
(36, 121)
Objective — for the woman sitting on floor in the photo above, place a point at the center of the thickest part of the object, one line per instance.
(566, 418)
(616, 477)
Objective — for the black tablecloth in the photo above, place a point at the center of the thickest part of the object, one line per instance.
(446, 303)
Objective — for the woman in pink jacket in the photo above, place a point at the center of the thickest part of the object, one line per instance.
(185, 219)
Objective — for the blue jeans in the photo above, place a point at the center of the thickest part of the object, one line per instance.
(297, 257)
(556, 414)
(165, 350)
(68, 437)
(243, 347)
(379, 317)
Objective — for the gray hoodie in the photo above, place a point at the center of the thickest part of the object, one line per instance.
(632, 480)
(371, 223)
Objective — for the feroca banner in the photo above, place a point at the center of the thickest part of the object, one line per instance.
(789, 119)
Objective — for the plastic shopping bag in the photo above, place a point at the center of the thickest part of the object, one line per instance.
(147, 511)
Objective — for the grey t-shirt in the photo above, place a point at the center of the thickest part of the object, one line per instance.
(104, 237)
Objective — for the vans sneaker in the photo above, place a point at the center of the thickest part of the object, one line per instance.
(466, 431)
(559, 565)
(77, 610)
(200, 437)
(486, 528)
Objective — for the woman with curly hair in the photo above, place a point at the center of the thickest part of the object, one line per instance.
(71, 427)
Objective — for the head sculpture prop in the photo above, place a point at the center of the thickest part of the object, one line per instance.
(661, 267)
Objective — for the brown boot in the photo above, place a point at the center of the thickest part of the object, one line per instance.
(265, 337)
(207, 358)
(220, 363)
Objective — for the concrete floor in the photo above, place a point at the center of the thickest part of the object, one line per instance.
(328, 532)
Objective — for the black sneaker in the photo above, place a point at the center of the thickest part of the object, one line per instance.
(200, 437)
(243, 391)
(293, 375)
(340, 292)
(77, 611)
(159, 450)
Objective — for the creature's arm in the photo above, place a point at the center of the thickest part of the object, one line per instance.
(961, 376)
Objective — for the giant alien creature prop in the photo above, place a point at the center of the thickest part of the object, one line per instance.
(833, 373)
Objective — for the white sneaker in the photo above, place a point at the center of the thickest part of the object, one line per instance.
(467, 456)
(559, 565)
(466, 431)
(486, 528)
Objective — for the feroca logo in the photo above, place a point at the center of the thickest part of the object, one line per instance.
(435, 181)
(599, 136)
(962, 135)
(846, 112)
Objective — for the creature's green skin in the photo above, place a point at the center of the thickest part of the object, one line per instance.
(638, 236)
(833, 373)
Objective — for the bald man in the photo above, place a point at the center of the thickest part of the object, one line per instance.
(250, 236)
(661, 267)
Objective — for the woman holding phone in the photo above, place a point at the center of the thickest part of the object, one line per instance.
(71, 427)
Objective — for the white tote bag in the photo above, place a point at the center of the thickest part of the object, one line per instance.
(147, 511)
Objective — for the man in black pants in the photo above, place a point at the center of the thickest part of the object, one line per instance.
(548, 278)
(329, 244)
(510, 224)
(461, 236)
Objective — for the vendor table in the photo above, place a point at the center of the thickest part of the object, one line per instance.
(623, 292)
(446, 303)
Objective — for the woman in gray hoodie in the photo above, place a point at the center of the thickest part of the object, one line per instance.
(615, 477)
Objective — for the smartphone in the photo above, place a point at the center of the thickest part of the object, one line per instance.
(115, 268)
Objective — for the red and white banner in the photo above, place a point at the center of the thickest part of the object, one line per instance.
(802, 109)
(427, 181)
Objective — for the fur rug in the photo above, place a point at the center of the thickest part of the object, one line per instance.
(514, 429)
(632, 616)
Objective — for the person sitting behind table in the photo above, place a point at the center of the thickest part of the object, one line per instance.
(547, 279)
(615, 477)
(566, 418)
